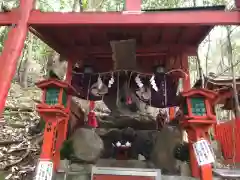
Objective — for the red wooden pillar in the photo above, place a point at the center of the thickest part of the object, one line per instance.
(237, 3)
(133, 5)
(13, 48)
(205, 171)
(53, 139)
(59, 139)
(192, 137)
(48, 145)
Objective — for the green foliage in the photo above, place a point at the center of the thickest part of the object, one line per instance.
(2, 177)
(85, 4)
(153, 4)
(3, 36)
(66, 150)
(42, 124)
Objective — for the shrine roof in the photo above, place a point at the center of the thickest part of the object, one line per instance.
(214, 83)
(88, 34)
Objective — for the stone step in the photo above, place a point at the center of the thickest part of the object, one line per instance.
(83, 172)
(81, 176)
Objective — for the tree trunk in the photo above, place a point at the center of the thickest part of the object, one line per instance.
(94, 4)
(194, 3)
(207, 55)
(231, 63)
(25, 64)
(75, 5)
(20, 65)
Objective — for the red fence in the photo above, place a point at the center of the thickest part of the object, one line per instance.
(229, 138)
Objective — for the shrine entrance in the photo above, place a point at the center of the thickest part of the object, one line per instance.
(131, 70)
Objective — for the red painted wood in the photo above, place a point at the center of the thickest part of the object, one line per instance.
(193, 135)
(48, 144)
(220, 17)
(141, 49)
(7, 19)
(12, 50)
(133, 5)
(204, 92)
(57, 83)
(237, 3)
(191, 18)
(206, 172)
(224, 134)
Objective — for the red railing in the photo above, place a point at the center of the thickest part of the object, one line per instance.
(228, 135)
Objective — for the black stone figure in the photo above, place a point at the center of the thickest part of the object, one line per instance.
(128, 141)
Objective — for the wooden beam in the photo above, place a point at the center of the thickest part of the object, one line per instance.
(133, 5)
(8, 18)
(150, 36)
(157, 48)
(183, 18)
(237, 3)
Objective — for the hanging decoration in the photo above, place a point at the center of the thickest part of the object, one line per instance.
(111, 81)
(92, 120)
(138, 81)
(153, 83)
(132, 71)
(100, 83)
(99, 88)
(143, 93)
(95, 86)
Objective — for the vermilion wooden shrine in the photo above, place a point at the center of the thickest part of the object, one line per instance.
(164, 37)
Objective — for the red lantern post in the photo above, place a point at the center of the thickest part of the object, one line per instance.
(198, 118)
(55, 112)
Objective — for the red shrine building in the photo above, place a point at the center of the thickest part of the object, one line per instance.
(163, 38)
